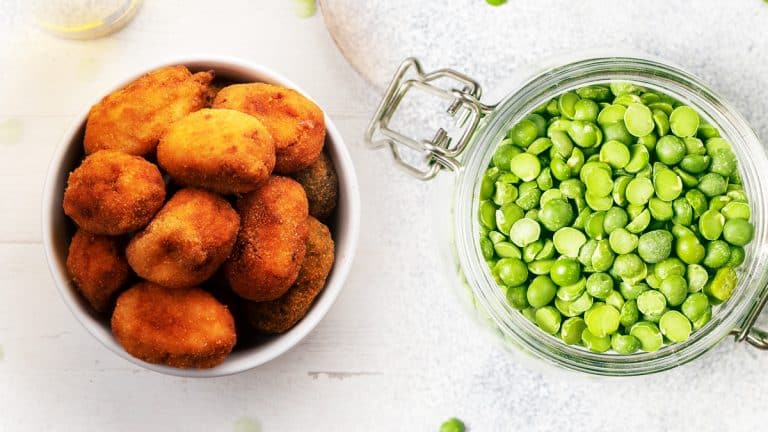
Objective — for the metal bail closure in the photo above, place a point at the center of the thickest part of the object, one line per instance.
(442, 151)
(748, 332)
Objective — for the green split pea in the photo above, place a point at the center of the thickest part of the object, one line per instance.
(614, 218)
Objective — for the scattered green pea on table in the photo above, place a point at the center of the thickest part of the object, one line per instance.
(452, 425)
(614, 218)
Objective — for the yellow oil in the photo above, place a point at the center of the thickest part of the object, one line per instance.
(84, 19)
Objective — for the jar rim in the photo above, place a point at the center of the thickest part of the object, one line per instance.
(753, 273)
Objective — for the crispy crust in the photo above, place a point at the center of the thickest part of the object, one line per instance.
(97, 266)
(212, 90)
(271, 244)
(297, 124)
(321, 184)
(187, 241)
(278, 316)
(184, 328)
(133, 119)
(222, 150)
(113, 193)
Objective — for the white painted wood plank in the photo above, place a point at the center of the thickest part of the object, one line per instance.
(396, 352)
(392, 358)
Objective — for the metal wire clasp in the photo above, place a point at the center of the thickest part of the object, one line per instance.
(748, 332)
(442, 150)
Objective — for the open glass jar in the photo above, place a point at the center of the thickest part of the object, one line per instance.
(469, 153)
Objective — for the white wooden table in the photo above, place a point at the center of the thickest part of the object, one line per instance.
(396, 353)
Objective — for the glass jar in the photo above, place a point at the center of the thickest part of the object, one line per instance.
(482, 127)
(84, 19)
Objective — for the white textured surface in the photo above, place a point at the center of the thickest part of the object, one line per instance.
(396, 352)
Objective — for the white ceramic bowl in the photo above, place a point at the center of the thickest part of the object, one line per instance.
(57, 229)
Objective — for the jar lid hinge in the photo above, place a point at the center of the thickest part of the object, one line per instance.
(442, 151)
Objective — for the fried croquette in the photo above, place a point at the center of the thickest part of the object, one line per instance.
(272, 240)
(133, 119)
(213, 89)
(187, 241)
(183, 328)
(222, 150)
(113, 193)
(297, 124)
(278, 316)
(97, 265)
(321, 185)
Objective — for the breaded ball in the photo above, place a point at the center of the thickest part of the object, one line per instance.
(187, 241)
(321, 185)
(223, 150)
(113, 193)
(213, 89)
(183, 328)
(272, 240)
(133, 119)
(278, 316)
(296, 123)
(97, 266)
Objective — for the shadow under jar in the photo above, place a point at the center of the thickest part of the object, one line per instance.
(469, 152)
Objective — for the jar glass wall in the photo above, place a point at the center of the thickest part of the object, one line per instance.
(490, 299)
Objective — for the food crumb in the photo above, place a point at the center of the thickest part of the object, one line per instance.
(11, 131)
(247, 424)
(304, 8)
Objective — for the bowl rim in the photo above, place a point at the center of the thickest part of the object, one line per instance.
(346, 246)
